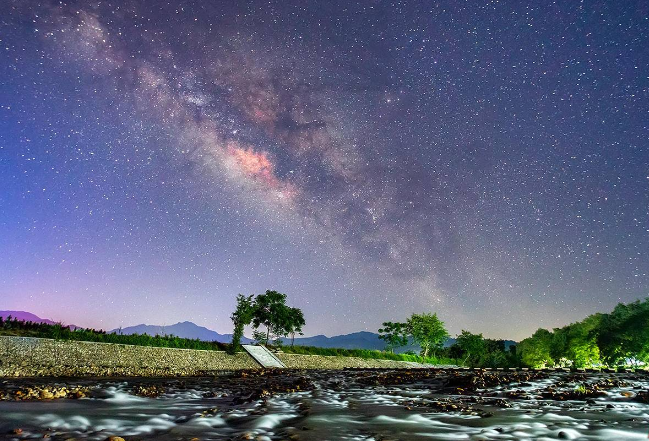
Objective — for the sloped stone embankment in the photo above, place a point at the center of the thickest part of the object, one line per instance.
(38, 357)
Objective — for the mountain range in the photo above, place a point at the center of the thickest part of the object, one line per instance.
(29, 317)
(181, 329)
(186, 329)
(25, 316)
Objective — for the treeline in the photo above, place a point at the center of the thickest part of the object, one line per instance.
(12, 326)
(620, 338)
(476, 351)
(429, 333)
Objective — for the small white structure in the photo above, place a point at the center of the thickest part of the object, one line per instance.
(263, 356)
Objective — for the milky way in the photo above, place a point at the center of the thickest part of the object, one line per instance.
(486, 161)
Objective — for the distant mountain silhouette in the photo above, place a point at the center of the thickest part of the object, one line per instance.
(181, 329)
(29, 317)
(355, 340)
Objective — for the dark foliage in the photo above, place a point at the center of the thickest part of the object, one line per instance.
(12, 326)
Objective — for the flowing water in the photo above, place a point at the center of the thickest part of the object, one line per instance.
(338, 405)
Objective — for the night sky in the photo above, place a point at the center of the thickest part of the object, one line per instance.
(485, 160)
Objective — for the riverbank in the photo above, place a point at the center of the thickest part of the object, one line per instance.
(40, 357)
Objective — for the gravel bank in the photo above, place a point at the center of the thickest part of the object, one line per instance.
(37, 357)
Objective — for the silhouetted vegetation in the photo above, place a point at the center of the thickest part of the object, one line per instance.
(476, 351)
(12, 326)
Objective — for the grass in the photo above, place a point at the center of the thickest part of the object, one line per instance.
(366, 353)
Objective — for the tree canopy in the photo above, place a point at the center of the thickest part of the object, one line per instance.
(472, 346)
(241, 317)
(270, 311)
(426, 330)
(394, 335)
(618, 338)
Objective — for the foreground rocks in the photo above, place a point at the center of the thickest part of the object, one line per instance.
(43, 393)
(241, 387)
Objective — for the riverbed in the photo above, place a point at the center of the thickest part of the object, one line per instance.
(368, 405)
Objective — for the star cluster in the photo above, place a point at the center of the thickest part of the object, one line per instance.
(484, 160)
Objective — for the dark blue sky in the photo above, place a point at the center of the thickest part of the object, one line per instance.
(487, 161)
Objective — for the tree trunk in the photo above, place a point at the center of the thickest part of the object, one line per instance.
(267, 333)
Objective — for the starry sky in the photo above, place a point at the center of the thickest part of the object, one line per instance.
(485, 160)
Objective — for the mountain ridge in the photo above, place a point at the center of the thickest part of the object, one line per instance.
(30, 317)
(184, 329)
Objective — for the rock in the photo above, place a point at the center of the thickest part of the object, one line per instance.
(151, 391)
(77, 393)
(115, 438)
(642, 396)
(46, 394)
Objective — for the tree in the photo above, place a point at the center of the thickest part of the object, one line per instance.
(295, 323)
(427, 331)
(394, 334)
(559, 344)
(280, 320)
(259, 337)
(472, 346)
(623, 335)
(271, 312)
(582, 342)
(241, 317)
(535, 350)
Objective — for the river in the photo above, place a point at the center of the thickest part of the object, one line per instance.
(359, 405)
